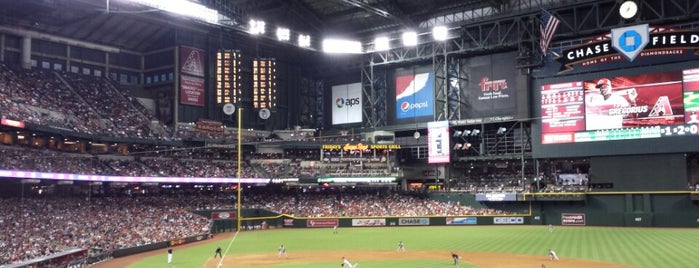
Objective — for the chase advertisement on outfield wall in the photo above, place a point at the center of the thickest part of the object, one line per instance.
(347, 103)
(413, 221)
(414, 94)
(637, 45)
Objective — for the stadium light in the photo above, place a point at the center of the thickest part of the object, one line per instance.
(341, 46)
(457, 134)
(410, 39)
(283, 34)
(183, 7)
(440, 33)
(256, 27)
(304, 40)
(381, 43)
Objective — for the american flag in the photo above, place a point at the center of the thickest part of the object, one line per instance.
(548, 27)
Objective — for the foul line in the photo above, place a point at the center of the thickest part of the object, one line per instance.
(228, 248)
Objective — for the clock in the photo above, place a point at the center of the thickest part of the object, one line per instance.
(229, 108)
(628, 9)
(264, 113)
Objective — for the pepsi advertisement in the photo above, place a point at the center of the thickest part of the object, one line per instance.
(414, 95)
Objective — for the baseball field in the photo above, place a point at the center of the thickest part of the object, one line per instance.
(478, 246)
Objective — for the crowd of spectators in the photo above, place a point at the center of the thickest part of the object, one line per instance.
(123, 118)
(41, 226)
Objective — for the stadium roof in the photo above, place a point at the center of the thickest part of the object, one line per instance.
(126, 25)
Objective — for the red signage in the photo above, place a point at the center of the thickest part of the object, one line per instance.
(204, 125)
(12, 123)
(192, 61)
(322, 223)
(191, 90)
(573, 219)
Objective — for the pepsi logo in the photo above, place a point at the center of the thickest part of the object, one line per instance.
(407, 106)
(404, 106)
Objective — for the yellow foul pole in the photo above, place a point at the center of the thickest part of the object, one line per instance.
(240, 150)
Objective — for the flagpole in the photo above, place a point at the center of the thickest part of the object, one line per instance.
(240, 149)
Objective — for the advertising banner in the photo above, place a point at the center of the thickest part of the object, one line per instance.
(496, 197)
(347, 104)
(491, 95)
(508, 220)
(462, 221)
(211, 126)
(414, 221)
(368, 222)
(414, 95)
(638, 45)
(223, 215)
(324, 223)
(573, 219)
(438, 150)
(191, 90)
(192, 61)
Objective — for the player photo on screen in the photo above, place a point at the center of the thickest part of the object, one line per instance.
(634, 101)
(690, 80)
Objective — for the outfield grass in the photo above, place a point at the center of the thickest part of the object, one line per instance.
(641, 247)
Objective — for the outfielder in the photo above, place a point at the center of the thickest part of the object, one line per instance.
(401, 246)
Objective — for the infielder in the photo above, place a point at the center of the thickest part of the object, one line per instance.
(552, 255)
(282, 251)
(347, 264)
(401, 246)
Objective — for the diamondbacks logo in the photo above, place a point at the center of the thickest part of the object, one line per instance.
(192, 61)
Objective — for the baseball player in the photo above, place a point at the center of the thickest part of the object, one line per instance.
(552, 255)
(401, 246)
(218, 253)
(169, 255)
(347, 264)
(282, 251)
(455, 257)
(335, 229)
(550, 228)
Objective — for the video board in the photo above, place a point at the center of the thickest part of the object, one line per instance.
(645, 106)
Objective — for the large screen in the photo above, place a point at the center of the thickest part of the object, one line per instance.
(643, 106)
